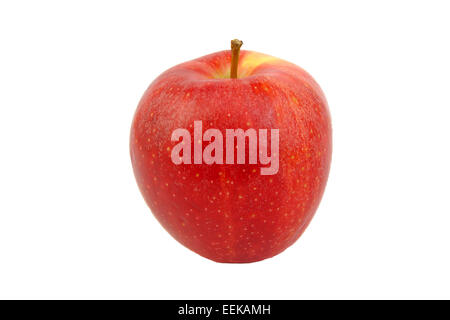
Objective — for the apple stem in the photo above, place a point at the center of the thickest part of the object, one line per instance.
(235, 48)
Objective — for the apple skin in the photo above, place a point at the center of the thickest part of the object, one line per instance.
(232, 213)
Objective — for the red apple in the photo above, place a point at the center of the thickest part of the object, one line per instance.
(232, 212)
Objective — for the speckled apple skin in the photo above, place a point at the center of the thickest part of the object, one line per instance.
(230, 212)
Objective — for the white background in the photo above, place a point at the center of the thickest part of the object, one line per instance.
(73, 223)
